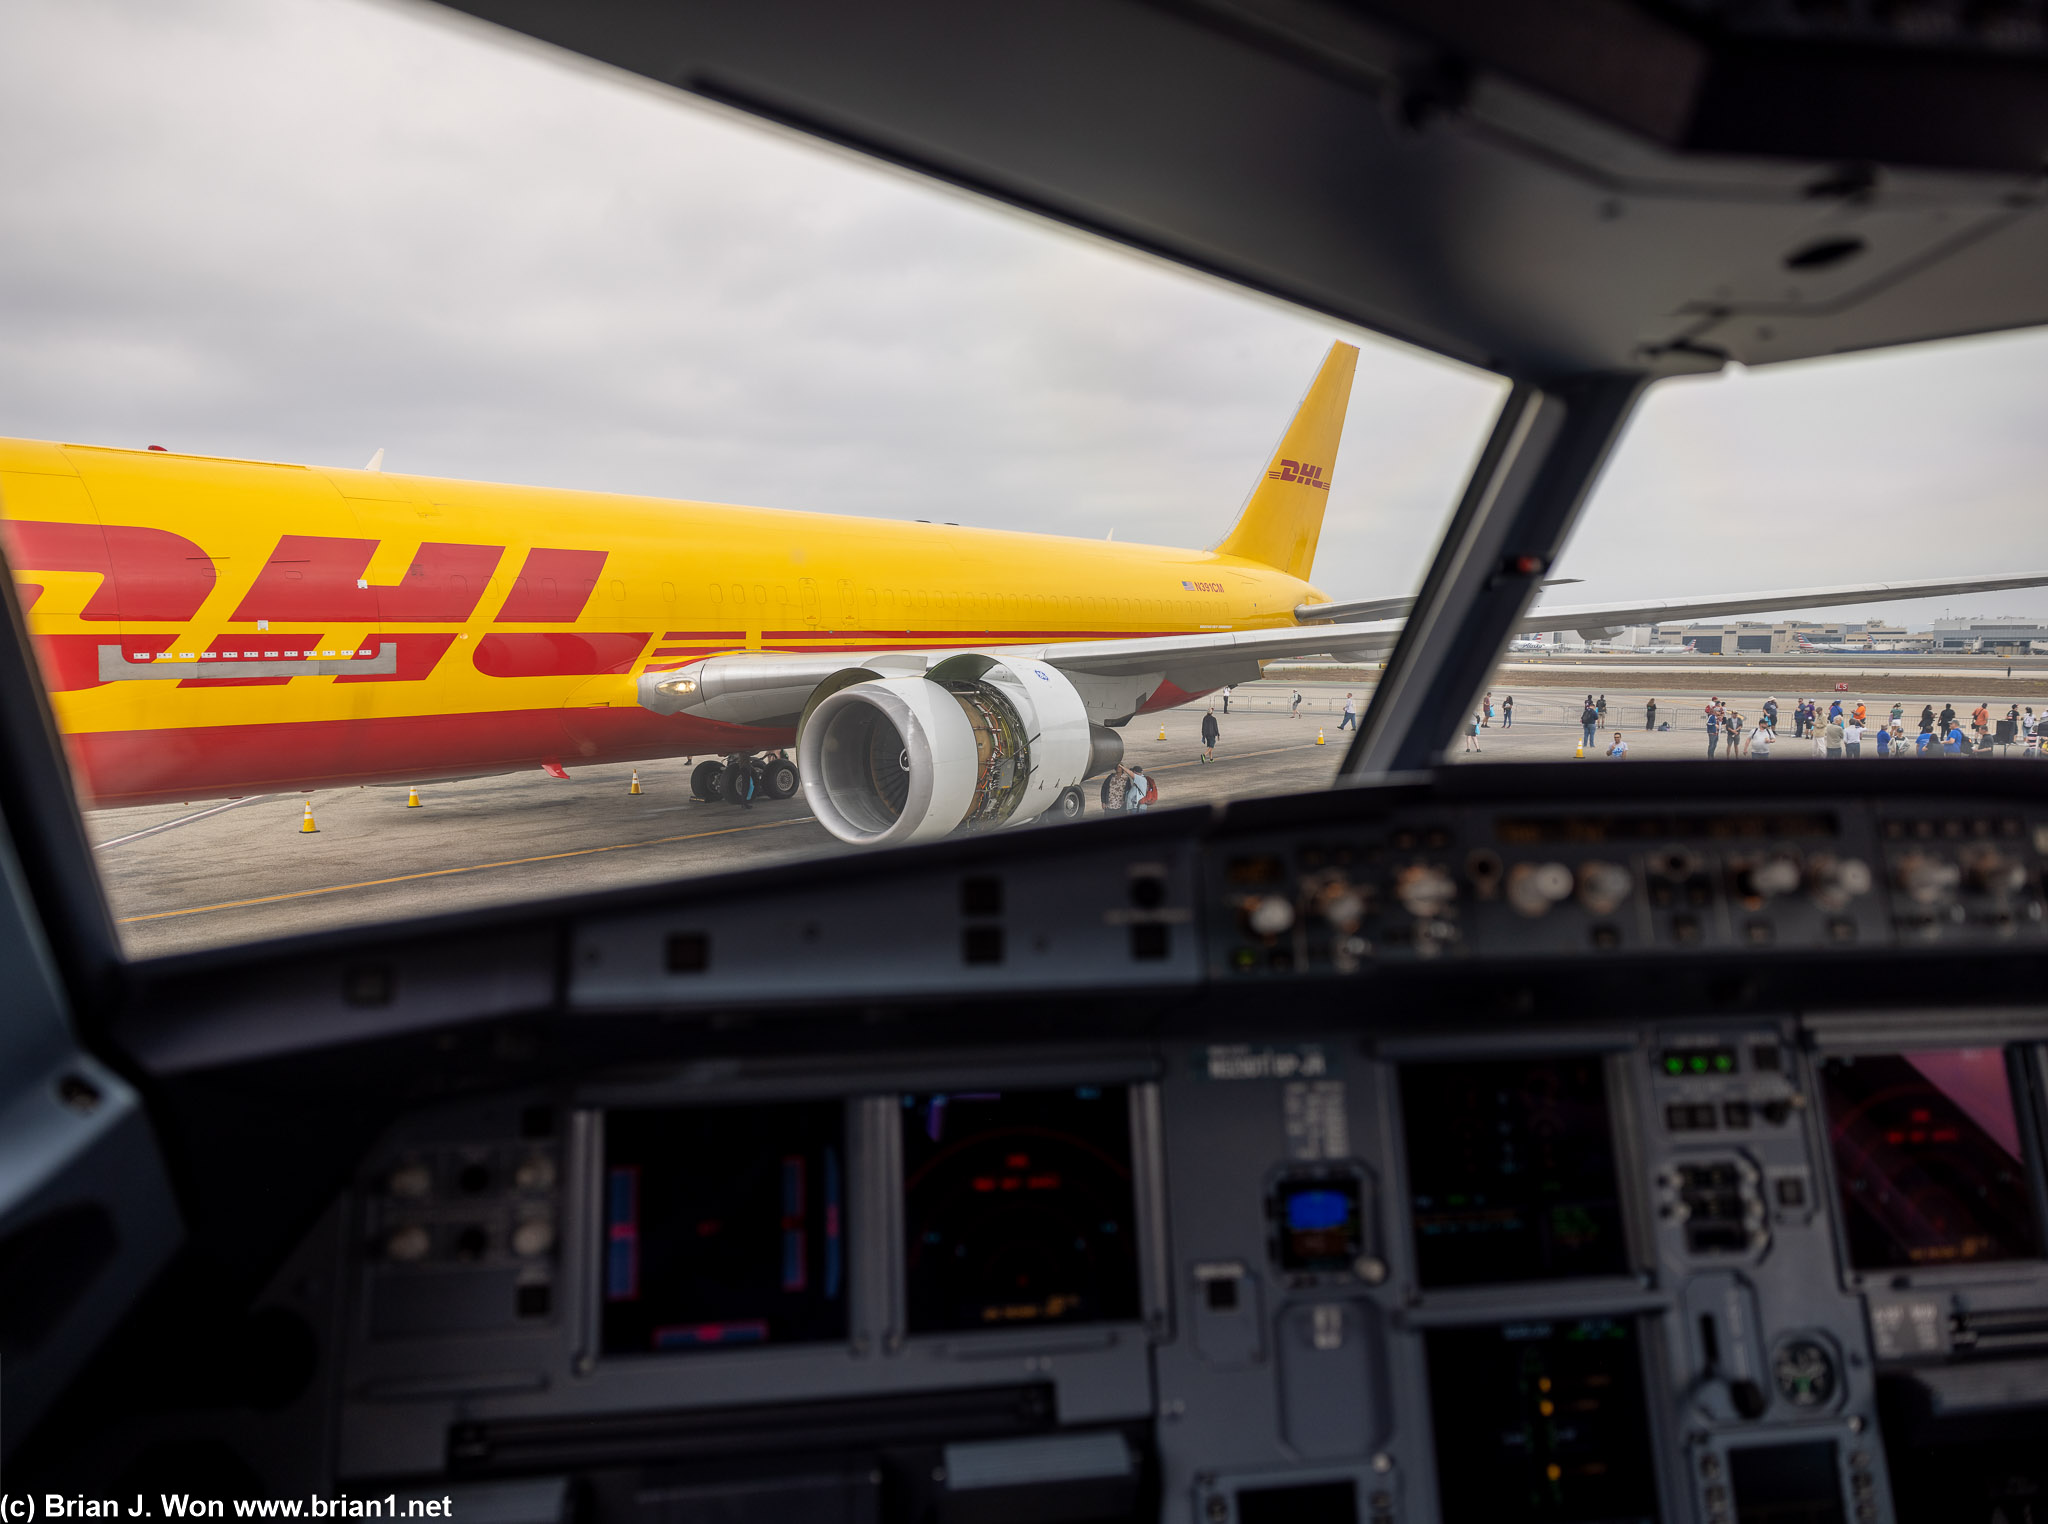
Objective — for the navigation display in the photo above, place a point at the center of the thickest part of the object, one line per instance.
(722, 1227)
(1929, 1159)
(1542, 1420)
(1511, 1171)
(1018, 1209)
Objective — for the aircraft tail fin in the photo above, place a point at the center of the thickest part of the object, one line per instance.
(1283, 518)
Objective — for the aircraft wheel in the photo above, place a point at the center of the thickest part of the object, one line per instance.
(704, 781)
(778, 779)
(1069, 805)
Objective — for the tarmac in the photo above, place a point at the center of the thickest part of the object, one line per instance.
(186, 876)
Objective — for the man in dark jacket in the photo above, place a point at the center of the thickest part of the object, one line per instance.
(1209, 734)
(739, 781)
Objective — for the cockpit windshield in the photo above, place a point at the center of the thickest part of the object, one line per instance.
(796, 445)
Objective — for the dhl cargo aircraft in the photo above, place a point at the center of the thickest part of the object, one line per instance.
(216, 628)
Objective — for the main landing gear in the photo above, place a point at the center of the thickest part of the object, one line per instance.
(774, 777)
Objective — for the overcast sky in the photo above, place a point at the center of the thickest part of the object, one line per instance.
(309, 229)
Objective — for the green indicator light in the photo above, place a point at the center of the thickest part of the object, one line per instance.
(1673, 1064)
(1699, 1064)
(1723, 1062)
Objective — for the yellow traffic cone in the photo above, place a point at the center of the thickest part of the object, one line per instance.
(306, 826)
(1579, 751)
(636, 782)
(1319, 737)
(412, 797)
(1162, 730)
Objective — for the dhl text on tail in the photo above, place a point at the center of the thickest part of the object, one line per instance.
(222, 627)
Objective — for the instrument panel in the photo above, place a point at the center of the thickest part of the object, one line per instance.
(1409, 1160)
(1307, 1279)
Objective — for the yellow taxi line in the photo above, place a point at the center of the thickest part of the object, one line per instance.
(510, 862)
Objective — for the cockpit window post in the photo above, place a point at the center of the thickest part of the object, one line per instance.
(1519, 504)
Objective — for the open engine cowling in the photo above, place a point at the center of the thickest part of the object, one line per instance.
(976, 743)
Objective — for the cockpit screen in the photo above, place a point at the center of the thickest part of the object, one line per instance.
(1511, 1171)
(1929, 1159)
(1018, 1209)
(1541, 1420)
(723, 1227)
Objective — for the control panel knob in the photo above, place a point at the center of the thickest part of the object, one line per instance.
(408, 1244)
(410, 1182)
(1532, 888)
(1270, 915)
(1603, 886)
(1927, 880)
(533, 1238)
(1425, 890)
(536, 1173)
(1769, 877)
(1990, 871)
(1340, 904)
(1837, 880)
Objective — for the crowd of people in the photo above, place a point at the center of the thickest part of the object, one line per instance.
(1846, 728)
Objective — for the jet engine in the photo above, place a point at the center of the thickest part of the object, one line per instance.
(975, 743)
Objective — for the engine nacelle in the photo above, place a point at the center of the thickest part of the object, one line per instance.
(976, 743)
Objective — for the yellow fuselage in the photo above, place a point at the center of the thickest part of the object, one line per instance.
(495, 627)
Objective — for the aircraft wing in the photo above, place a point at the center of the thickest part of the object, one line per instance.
(1601, 617)
(1120, 676)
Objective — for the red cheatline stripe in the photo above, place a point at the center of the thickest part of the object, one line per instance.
(510, 862)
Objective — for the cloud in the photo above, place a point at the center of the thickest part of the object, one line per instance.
(307, 229)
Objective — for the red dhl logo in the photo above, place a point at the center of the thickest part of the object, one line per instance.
(1295, 471)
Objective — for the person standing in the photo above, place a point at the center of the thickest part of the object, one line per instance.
(1472, 732)
(1713, 727)
(1589, 721)
(1350, 720)
(1860, 714)
(1138, 792)
(1760, 740)
(1619, 750)
(1732, 728)
(1945, 721)
(1116, 788)
(1952, 743)
(1799, 720)
(1852, 738)
(1507, 712)
(1883, 737)
(1602, 708)
(1926, 730)
(1486, 712)
(1209, 735)
(1650, 715)
(1980, 720)
(1831, 735)
(739, 781)
(1294, 706)
(1898, 713)
(1226, 700)
(1771, 714)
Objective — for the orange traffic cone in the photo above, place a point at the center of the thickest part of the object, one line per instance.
(636, 782)
(1162, 730)
(1319, 737)
(412, 797)
(306, 826)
